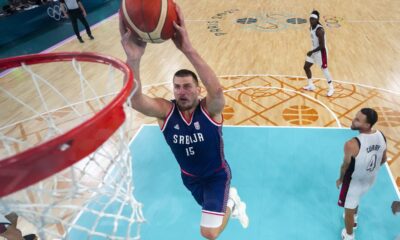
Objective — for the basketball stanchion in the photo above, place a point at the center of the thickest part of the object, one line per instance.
(66, 167)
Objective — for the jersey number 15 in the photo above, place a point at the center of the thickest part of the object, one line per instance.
(189, 151)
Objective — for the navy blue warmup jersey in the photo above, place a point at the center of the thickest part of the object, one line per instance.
(196, 143)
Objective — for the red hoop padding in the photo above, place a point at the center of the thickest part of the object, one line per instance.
(39, 162)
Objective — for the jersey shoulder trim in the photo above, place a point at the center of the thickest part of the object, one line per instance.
(205, 112)
(171, 111)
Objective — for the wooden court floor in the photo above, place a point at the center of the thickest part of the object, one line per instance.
(258, 48)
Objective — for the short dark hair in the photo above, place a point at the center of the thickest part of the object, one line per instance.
(185, 73)
(371, 114)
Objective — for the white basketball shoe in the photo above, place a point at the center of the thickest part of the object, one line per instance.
(239, 209)
(331, 90)
(310, 87)
(346, 236)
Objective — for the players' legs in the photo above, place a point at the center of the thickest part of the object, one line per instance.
(215, 213)
(351, 201)
(213, 225)
(328, 77)
(194, 185)
(86, 24)
(349, 219)
(74, 20)
(307, 68)
(322, 60)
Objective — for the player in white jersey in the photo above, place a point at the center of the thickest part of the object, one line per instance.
(363, 156)
(318, 55)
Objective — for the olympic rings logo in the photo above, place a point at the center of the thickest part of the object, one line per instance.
(55, 12)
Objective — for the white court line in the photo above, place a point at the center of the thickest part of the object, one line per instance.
(284, 89)
(254, 126)
(392, 179)
(282, 127)
(137, 133)
(294, 91)
(373, 21)
(290, 127)
(321, 79)
(73, 37)
(255, 75)
(63, 42)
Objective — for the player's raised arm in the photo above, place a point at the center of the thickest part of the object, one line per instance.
(134, 49)
(215, 100)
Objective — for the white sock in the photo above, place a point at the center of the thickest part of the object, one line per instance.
(230, 204)
(328, 76)
(310, 82)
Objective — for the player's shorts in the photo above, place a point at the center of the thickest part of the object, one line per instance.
(320, 58)
(351, 193)
(212, 194)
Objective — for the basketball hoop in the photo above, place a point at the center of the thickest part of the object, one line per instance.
(73, 158)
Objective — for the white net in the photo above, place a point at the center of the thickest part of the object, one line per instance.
(92, 199)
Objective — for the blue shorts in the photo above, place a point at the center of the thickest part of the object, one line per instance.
(210, 192)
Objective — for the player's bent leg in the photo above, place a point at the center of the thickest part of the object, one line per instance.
(307, 68)
(347, 232)
(209, 233)
(212, 224)
(328, 77)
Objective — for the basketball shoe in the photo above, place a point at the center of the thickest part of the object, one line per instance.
(239, 209)
(331, 90)
(346, 236)
(309, 87)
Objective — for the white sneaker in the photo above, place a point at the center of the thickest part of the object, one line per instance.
(239, 209)
(346, 236)
(309, 87)
(330, 91)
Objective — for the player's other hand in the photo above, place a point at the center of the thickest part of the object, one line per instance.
(134, 48)
(395, 207)
(339, 183)
(181, 37)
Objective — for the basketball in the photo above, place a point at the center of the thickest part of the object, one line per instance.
(151, 20)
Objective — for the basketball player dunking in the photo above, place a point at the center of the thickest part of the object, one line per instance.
(363, 156)
(319, 54)
(192, 127)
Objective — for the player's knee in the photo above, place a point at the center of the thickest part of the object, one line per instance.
(210, 233)
(306, 67)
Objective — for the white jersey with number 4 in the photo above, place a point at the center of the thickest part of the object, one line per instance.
(369, 158)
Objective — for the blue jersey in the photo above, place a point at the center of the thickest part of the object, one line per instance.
(196, 143)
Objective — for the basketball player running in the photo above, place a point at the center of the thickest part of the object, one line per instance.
(363, 156)
(192, 127)
(319, 54)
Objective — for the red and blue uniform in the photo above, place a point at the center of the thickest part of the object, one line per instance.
(199, 149)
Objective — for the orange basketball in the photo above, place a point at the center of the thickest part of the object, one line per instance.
(151, 20)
